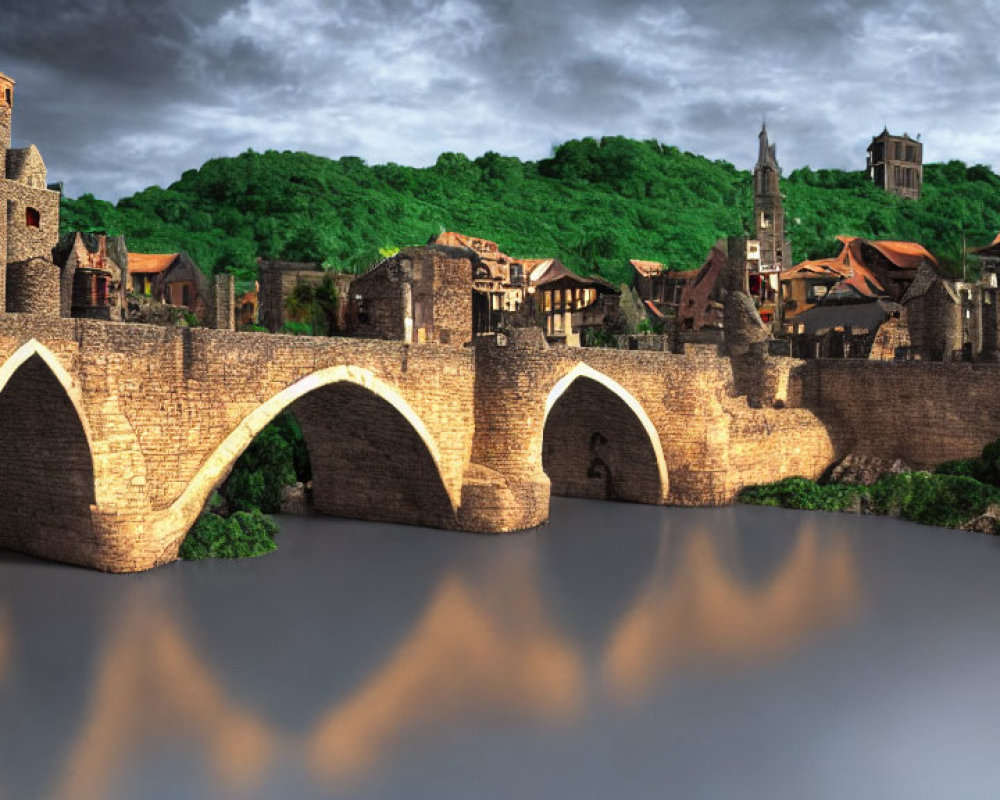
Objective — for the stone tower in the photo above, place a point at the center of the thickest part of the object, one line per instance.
(6, 111)
(768, 212)
(895, 164)
(6, 115)
(29, 223)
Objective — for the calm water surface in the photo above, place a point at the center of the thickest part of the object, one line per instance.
(621, 652)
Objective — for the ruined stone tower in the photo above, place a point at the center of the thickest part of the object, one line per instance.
(29, 223)
(768, 212)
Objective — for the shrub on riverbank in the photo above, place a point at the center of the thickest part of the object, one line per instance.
(804, 494)
(243, 535)
(931, 499)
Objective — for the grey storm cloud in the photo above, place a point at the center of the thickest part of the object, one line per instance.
(121, 94)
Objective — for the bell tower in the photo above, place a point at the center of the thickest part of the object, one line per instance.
(769, 214)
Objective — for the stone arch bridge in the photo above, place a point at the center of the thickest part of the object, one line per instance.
(113, 436)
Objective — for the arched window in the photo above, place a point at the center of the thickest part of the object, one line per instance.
(32, 218)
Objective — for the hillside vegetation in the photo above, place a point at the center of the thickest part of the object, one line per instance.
(594, 204)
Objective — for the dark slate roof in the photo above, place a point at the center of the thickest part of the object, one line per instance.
(558, 274)
(859, 316)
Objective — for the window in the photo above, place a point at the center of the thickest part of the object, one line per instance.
(32, 218)
(6, 94)
(185, 295)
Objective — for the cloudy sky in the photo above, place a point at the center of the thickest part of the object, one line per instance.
(121, 94)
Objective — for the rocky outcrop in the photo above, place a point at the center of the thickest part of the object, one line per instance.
(987, 522)
(866, 470)
(742, 324)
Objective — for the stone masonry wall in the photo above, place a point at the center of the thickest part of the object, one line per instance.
(921, 412)
(380, 309)
(452, 299)
(32, 287)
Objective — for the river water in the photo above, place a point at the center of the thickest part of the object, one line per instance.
(622, 651)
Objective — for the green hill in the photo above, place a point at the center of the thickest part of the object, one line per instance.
(593, 204)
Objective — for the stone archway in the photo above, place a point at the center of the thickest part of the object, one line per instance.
(598, 442)
(46, 460)
(331, 405)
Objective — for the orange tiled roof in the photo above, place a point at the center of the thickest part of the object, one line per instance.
(150, 263)
(647, 268)
(849, 265)
(907, 255)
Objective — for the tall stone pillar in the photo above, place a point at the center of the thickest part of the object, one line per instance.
(224, 302)
(505, 487)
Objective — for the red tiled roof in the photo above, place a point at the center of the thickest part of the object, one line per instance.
(150, 263)
(655, 311)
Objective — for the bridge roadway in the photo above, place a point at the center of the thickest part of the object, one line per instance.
(113, 436)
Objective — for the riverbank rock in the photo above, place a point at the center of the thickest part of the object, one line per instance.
(987, 522)
(865, 470)
(294, 500)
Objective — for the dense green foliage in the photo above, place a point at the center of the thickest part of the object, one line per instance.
(593, 204)
(243, 535)
(986, 468)
(314, 306)
(277, 457)
(945, 500)
(804, 494)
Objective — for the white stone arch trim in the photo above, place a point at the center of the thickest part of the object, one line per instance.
(35, 348)
(184, 510)
(586, 371)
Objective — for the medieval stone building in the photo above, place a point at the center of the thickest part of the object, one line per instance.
(29, 223)
(895, 164)
(421, 294)
(93, 276)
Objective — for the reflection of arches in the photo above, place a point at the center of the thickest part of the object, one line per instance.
(700, 611)
(48, 469)
(182, 513)
(600, 442)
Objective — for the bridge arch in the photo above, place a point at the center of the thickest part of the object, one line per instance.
(598, 441)
(182, 513)
(46, 458)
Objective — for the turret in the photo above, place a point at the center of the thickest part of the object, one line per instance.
(6, 116)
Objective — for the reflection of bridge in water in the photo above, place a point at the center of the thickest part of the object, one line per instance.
(113, 436)
(483, 646)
